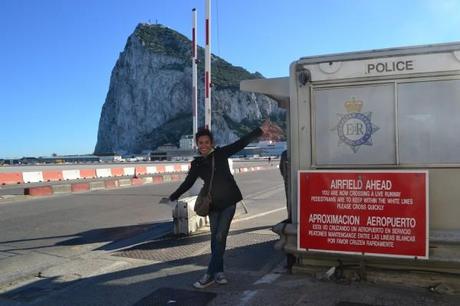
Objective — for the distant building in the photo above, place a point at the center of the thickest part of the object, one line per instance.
(186, 142)
(263, 148)
(272, 148)
(250, 150)
(10, 161)
(74, 159)
(108, 158)
(30, 160)
(171, 152)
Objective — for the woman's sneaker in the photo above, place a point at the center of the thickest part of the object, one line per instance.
(205, 281)
(220, 278)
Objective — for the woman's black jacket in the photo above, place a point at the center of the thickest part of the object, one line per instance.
(224, 190)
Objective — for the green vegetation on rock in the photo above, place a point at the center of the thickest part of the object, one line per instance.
(163, 40)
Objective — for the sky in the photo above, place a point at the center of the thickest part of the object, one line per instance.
(56, 56)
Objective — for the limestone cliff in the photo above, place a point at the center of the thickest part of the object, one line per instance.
(149, 98)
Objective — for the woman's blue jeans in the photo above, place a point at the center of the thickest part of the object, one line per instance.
(220, 225)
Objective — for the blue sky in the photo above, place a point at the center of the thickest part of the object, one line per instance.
(56, 56)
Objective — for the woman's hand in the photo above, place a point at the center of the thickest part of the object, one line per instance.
(265, 127)
(271, 131)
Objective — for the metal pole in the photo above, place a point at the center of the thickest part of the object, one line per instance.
(194, 78)
(207, 68)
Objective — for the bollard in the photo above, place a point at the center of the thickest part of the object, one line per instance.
(186, 221)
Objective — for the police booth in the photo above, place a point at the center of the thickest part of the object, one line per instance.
(374, 152)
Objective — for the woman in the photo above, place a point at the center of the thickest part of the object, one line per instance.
(224, 192)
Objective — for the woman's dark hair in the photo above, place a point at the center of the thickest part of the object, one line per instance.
(204, 132)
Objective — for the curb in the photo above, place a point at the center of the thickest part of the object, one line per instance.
(113, 183)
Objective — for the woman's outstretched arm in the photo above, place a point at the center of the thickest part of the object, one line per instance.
(186, 184)
(239, 145)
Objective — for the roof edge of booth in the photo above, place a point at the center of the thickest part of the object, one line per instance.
(275, 88)
(380, 53)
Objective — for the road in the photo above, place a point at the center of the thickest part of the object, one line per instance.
(40, 233)
(44, 222)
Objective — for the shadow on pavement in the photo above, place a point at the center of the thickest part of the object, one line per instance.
(138, 285)
(112, 235)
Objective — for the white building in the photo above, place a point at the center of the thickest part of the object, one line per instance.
(186, 142)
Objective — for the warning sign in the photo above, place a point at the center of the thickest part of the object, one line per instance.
(364, 212)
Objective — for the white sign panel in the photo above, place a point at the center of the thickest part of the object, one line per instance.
(354, 125)
(436, 62)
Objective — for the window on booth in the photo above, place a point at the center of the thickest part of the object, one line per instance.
(429, 124)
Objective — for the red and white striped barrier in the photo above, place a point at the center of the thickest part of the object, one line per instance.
(159, 177)
(71, 174)
(104, 172)
(32, 177)
(11, 178)
(128, 171)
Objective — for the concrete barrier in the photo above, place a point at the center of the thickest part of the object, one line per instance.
(109, 184)
(124, 182)
(158, 179)
(148, 180)
(62, 188)
(39, 191)
(135, 181)
(79, 187)
(98, 185)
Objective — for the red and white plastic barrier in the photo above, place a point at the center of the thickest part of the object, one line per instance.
(157, 178)
(32, 177)
(71, 174)
(11, 178)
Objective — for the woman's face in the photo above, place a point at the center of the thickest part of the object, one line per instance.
(204, 144)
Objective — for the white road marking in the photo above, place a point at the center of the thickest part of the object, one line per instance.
(260, 215)
(247, 296)
(267, 278)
